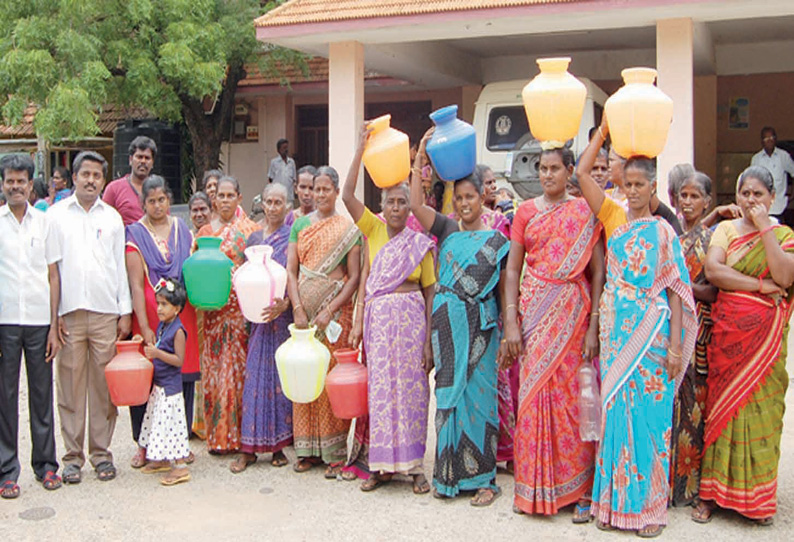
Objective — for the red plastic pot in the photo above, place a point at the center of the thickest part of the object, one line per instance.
(346, 385)
(129, 375)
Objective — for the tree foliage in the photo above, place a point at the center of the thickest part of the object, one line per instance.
(69, 57)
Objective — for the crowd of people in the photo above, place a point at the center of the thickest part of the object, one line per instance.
(683, 312)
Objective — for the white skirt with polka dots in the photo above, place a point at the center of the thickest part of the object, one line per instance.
(164, 429)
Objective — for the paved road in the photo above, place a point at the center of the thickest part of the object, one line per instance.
(265, 503)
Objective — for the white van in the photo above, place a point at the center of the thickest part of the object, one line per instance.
(504, 142)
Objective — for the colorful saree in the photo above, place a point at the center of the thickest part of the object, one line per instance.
(689, 414)
(747, 384)
(394, 335)
(267, 413)
(553, 467)
(322, 247)
(631, 484)
(465, 340)
(224, 349)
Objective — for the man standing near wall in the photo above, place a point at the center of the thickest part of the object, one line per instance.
(124, 194)
(779, 163)
(28, 320)
(87, 243)
(282, 169)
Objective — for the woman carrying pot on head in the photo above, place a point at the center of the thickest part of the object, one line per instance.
(553, 323)
(751, 261)
(466, 340)
(397, 312)
(689, 416)
(647, 337)
(323, 267)
(267, 413)
(157, 246)
(225, 344)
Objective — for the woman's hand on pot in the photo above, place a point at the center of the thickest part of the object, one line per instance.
(275, 309)
(322, 319)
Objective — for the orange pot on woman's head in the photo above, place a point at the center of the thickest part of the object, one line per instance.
(129, 375)
(554, 101)
(387, 156)
(346, 385)
(639, 115)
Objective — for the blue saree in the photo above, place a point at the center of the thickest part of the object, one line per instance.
(644, 259)
(465, 340)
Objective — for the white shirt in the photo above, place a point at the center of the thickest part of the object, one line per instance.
(778, 165)
(24, 280)
(89, 250)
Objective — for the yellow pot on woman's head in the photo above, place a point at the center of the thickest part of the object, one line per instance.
(554, 101)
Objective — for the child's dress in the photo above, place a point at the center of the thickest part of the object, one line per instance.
(164, 431)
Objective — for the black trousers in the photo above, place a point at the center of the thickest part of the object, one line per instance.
(137, 412)
(33, 341)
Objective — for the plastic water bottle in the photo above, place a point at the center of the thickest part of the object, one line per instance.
(589, 403)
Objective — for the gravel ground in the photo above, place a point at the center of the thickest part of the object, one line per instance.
(266, 503)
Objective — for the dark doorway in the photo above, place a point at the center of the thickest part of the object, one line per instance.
(312, 135)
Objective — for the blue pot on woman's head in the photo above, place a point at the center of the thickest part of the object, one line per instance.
(453, 147)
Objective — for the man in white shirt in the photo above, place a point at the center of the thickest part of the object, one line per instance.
(95, 310)
(282, 169)
(779, 163)
(28, 322)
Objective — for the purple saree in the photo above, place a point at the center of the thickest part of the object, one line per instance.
(267, 414)
(394, 334)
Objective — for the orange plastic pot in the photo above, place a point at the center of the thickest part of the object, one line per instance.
(129, 375)
(387, 156)
(346, 385)
(554, 101)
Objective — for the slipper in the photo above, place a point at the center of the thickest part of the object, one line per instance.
(139, 459)
(421, 485)
(72, 474)
(604, 526)
(10, 490)
(190, 458)
(581, 514)
(50, 481)
(698, 513)
(174, 480)
(305, 464)
(374, 482)
(518, 511)
(241, 463)
(105, 471)
(651, 534)
(332, 470)
(155, 467)
(495, 493)
(279, 460)
(440, 496)
(766, 522)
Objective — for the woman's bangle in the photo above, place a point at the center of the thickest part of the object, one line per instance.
(601, 133)
(510, 305)
(359, 303)
(767, 229)
(594, 313)
(416, 170)
(673, 354)
(760, 283)
(297, 306)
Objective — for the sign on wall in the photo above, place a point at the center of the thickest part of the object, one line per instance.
(739, 114)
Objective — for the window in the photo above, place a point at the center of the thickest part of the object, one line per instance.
(506, 125)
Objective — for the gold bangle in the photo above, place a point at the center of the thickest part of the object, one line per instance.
(679, 355)
(360, 304)
(511, 305)
(296, 307)
(416, 170)
(601, 133)
(595, 313)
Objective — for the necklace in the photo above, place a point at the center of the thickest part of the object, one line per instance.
(153, 229)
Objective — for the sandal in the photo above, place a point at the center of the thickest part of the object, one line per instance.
(139, 459)
(242, 462)
(10, 490)
(72, 474)
(105, 471)
(374, 482)
(305, 464)
(650, 531)
(601, 526)
(175, 477)
(518, 511)
(766, 522)
(50, 481)
(332, 470)
(702, 513)
(581, 513)
(190, 458)
(279, 459)
(421, 485)
(440, 496)
(478, 500)
(153, 467)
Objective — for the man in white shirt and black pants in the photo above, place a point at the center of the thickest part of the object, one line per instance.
(779, 163)
(95, 310)
(27, 323)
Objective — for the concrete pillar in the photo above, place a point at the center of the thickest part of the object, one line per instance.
(345, 107)
(674, 61)
(706, 127)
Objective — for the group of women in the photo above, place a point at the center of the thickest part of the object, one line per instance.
(688, 334)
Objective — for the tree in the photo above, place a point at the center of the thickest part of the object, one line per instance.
(175, 58)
